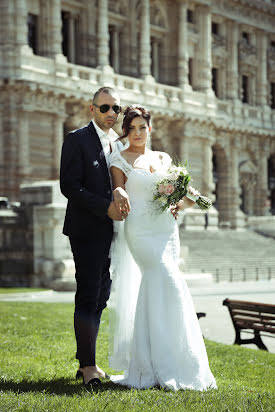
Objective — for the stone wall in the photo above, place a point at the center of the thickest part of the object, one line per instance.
(187, 61)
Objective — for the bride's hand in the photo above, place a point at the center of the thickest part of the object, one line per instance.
(122, 201)
(184, 203)
(174, 210)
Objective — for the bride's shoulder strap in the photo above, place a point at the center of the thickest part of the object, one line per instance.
(118, 161)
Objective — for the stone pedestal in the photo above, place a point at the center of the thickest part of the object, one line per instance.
(53, 263)
(262, 224)
(194, 219)
(53, 260)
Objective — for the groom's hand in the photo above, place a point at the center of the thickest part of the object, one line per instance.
(114, 213)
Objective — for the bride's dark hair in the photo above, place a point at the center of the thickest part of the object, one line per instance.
(130, 113)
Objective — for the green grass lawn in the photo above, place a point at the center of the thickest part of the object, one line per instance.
(37, 369)
(21, 290)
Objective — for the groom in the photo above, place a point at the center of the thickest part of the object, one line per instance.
(85, 181)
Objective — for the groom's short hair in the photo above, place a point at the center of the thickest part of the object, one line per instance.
(105, 89)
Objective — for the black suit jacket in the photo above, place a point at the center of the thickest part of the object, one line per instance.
(85, 182)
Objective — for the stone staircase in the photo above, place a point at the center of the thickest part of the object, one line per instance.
(228, 254)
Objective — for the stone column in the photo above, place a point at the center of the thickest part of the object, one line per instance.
(13, 35)
(133, 43)
(90, 33)
(71, 51)
(125, 66)
(232, 65)
(183, 69)
(20, 22)
(23, 146)
(253, 86)
(103, 34)
(247, 181)
(55, 28)
(249, 199)
(208, 184)
(261, 87)
(155, 55)
(57, 145)
(115, 46)
(43, 34)
(203, 78)
(10, 102)
(235, 214)
(261, 190)
(144, 46)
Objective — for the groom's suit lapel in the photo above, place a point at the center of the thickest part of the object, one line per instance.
(98, 147)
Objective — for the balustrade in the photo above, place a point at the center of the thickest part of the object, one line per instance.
(46, 71)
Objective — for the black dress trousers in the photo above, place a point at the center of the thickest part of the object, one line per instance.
(92, 264)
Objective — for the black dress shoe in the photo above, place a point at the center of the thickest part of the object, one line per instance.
(94, 384)
(79, 374)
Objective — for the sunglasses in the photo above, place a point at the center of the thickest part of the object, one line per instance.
(104, 108)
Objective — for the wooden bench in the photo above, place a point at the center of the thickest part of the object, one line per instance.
(258, 317)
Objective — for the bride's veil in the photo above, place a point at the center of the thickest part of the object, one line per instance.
(125, 276)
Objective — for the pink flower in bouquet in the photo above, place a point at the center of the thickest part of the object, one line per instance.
(169, 189)
(161, 188)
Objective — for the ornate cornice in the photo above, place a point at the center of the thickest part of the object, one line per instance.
(33, 97)
(254, 12)
(258, 4)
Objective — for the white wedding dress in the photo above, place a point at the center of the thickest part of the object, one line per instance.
(156, 337)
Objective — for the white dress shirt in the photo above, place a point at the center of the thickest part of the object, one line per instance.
(106, 139)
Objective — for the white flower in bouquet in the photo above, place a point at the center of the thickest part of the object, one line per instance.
(171, 189)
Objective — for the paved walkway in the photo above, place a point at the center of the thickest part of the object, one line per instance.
(207, 296)
(217, 324)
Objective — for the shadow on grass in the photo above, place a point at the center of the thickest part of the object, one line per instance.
(60, 386)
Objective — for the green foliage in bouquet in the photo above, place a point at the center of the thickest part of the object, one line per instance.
(171, 189)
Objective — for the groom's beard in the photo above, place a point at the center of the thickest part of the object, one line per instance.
(86, 330)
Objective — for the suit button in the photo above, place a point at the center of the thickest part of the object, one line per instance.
(81, 190)
(108, 191)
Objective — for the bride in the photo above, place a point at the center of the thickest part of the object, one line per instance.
(155, 332)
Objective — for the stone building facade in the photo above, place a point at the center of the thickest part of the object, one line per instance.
(205, 69)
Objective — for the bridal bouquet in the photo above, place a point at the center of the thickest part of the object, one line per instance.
(171, 189)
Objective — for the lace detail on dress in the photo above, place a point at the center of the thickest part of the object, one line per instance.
(118, 161)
